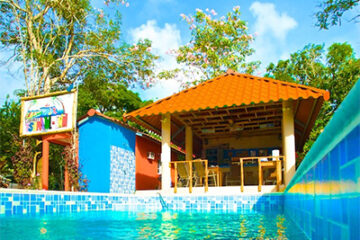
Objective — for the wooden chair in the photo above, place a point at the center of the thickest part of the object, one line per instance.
(200, 174)
(184, 176)
(271, 178)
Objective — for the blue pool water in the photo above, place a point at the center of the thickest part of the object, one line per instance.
(150, 225)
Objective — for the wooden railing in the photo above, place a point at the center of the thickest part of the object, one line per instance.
(272, 162)
(190, 173)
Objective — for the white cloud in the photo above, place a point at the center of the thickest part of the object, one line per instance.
(271, 29)
(269, 21)
(163, 39)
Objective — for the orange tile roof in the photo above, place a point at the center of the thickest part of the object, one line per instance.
(230, 89)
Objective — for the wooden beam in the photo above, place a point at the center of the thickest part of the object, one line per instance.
(210, 111)
(296, 107)
(258, 132)
(298, 132)
(301, 124)
(256, 114)
(174, 123)
(177, 132)
(244, 125)
(148, 125)
(182, 122)
(198, 122)
(308, 121)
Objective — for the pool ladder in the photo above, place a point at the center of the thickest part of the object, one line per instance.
(162, 202)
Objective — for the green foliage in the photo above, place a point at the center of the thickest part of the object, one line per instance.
(60, 43)
(22, 161)
(57, 42)
(332, 12)
(112, 99)
(56, 167)
(337, 70)
(53, 182)
(217, 44)
(9, 126)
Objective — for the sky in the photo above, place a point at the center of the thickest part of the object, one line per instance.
(280, 28)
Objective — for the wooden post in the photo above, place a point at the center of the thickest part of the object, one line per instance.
(45, 165)
(218, 176)
(260, 175)
(206, 176)
(190, 182)
(242, 174)
(188, 143)
(176, 176)
(278, 174)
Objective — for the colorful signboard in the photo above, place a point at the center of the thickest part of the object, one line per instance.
(50, 113)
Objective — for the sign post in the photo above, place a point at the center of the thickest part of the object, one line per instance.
(54, 117)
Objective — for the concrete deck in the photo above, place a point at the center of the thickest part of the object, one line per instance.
(226, 190)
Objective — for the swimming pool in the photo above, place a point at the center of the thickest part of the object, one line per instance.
(151, 225)
(321, 202)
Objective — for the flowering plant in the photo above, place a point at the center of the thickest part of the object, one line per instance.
(76, 179)
(22, 162)
(217, 44)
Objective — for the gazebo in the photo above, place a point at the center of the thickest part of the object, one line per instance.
(234, 115)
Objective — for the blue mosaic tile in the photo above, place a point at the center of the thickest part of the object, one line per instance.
(122, 170)
(332, 211)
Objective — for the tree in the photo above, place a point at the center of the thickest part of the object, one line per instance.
(9, 126)
(337, 70)
(332, 12)
(112, 99)
(216, 44)
(57, 40)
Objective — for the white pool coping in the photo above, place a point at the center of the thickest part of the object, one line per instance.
(196, 191)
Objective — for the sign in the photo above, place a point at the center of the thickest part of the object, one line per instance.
(50, 113)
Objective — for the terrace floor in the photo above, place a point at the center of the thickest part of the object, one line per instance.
(226, 190)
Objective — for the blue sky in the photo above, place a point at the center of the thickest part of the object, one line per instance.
(281, 28)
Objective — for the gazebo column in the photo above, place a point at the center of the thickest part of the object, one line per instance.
(288, 138)
(188, 143)
(165, 152)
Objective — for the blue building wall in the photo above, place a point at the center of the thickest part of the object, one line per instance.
(107, 155)
(324, 196)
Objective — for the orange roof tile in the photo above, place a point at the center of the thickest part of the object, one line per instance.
(230, 89)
